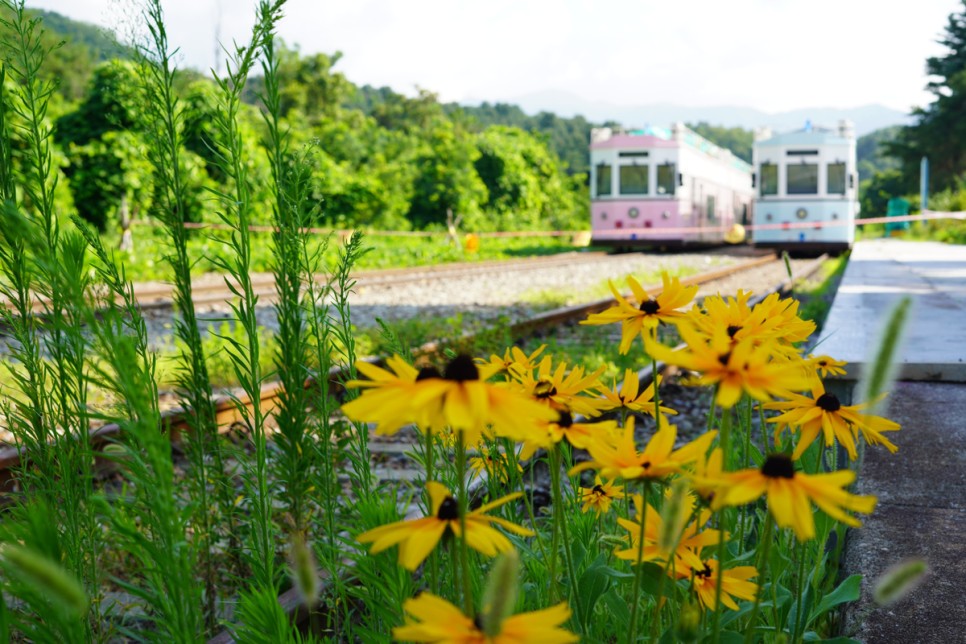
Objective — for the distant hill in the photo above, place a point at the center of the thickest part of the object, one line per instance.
(867, 118)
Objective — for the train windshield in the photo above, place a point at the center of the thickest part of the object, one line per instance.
(769, 179)
(802, 178)
(634, 179)
(836, 179)
(665, 179)
(603, 179)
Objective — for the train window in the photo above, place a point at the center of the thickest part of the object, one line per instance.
(634, 179)
(836, 179)
(603, 179)
(665, 179)
(768, 178)
(802, 178)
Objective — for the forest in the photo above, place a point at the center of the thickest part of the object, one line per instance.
(383, 160)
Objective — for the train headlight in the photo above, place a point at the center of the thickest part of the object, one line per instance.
(801, 213)
(665, 215)
(768, 217)
(633, 213)
(603, 216)
(835, 215)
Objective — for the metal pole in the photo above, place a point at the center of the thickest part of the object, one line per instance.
(924, 184)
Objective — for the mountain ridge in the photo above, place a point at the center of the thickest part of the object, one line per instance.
(867, 118)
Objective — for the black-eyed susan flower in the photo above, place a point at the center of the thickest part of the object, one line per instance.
(513, 356)
(620, 459)
(790, 493)
(459, 399)
(433, 619)
(559, 388)
(599, 497)
(418, 537)
(823, 413)
(579, 434)
(734, 367)
(825, 366)
(643, 319)
(734, 583)
(687, 550)
(627, 396)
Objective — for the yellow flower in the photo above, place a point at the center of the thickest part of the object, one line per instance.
(432, 619)
(734, 583)
(789, 494)
(825, 365)
(620, 458)
(548, 434)
(459, 399)
(418, 537)
(687, 552)
(706, 475)
(627, 397)
(635, 320)
(599, 497)
(513, 356)
(560, 388)
(733, 367)
(388, 394)
(823, 413)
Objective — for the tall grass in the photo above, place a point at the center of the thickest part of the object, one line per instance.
(163, 122)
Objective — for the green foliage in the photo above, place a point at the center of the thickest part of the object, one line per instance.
(877, 190)
(872, 154)
(736, 139)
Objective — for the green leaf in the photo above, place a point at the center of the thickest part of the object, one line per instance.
(847, 591)
(618, 607)
(592, 585)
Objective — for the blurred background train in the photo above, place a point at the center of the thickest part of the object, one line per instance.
(657, 188)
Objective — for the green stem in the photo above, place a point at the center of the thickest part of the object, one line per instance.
(464, 508)
(800, 553)
(433, 557)
(558, 507)
(716, 621)
(763, 564)
(635, 593)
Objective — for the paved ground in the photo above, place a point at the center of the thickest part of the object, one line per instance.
(922, 488)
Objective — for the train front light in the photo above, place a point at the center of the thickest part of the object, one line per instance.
(633, 213)
(801, 213)
(665, 215)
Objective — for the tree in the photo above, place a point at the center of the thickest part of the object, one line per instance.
(940, 130)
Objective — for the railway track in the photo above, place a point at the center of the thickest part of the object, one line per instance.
(175, 421)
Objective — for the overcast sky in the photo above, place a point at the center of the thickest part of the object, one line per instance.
(773, 55)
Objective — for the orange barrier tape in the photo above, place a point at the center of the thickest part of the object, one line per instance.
(817, 225)
(814, 225)
(345, 232)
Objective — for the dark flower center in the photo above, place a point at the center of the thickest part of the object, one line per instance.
(449, 509)
(565, 420)
(778, 466)
(705, 573)
(544, 389)
(822, 363)
(724, 359)
(460, 369)
(732, 330)
(650, 307)
(599, 491)
(427, 372)
(829, 402)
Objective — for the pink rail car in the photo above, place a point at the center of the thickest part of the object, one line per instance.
(665, 188)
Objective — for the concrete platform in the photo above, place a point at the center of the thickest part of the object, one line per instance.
(879, 274)
(922, 488)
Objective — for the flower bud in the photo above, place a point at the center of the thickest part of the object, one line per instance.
(500, 595)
